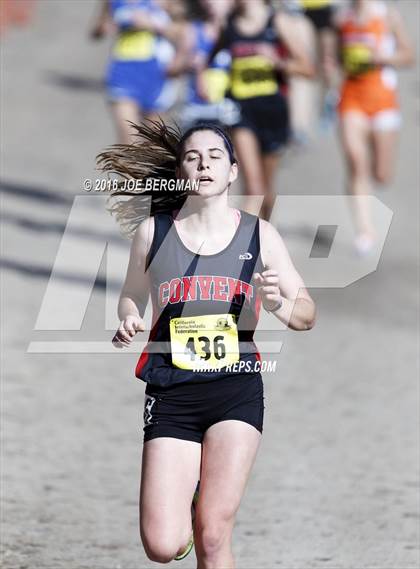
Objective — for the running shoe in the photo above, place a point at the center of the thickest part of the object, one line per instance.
(187, 550)
(190, 544)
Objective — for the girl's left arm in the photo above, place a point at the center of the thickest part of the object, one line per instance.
(280, 286)
(103, 24)
(299, 61)
(404, 52)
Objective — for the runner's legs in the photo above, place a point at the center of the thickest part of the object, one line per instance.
(124, 110)
(170, 472)
(229, 451)
(249, 155)
(355, 134)
(270, 164)
(384, 143)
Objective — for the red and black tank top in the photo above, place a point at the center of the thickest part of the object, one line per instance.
(254, 75)
(205, 307)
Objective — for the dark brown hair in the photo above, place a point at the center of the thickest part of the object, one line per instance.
(155, 154)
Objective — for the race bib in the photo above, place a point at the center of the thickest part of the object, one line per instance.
(253, 76)
(217, 83)
(134, 45)
(209, 341)
(314, 4)
(357, 59)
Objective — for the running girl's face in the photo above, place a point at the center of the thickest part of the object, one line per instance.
(205, 158)
(243, 4)
(177, 9)
(217, 8)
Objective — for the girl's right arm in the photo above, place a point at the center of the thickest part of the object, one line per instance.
(183, 60)
(103, 24)
(135, 291)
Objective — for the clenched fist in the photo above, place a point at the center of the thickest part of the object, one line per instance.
(127, 330)
(268, 288)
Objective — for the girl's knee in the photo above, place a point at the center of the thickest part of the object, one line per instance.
(160, 551)
(358, 167)
(161, 547)
(212, 535)
(383, 175)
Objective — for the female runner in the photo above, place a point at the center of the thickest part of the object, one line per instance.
(207, 267)
(205, 96)
(373, 43)
(255, 36)
(321, 13)
(195, 38)
(137, 83)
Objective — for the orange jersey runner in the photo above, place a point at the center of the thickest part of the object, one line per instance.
(367, 88)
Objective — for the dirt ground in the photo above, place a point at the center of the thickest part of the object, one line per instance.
(335, 484)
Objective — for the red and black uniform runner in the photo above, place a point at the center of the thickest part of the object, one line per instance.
(256, 85)
(200, 360)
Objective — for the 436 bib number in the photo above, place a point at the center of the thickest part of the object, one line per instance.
(209, 341)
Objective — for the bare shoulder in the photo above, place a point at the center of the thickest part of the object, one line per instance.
(268, 230)
(143, 236)
(283, 21)
(272, 244)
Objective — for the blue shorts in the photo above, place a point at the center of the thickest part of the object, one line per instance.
(143, 82)
(186, 410)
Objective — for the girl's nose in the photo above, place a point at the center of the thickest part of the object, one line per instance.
(203, 164)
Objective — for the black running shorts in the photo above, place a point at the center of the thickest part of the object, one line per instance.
(322, 18)
(268, 118)
(186, 410)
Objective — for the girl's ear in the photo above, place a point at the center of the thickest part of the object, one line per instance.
(233, 172)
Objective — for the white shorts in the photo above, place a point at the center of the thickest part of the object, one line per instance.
(387, 120)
